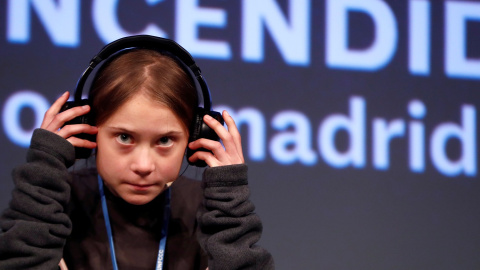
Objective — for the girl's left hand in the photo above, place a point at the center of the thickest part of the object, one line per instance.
(219, 156)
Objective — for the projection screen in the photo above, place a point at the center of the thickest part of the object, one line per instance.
(358, 118)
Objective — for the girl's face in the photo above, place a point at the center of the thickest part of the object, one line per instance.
(140, 149)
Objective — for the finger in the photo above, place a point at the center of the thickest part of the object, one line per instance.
(60, 119)
(213, 123)
(218, 152)
(213, 146)
(233, 130)
(205, 156)
(71, 130)
(232, 142)
(63, 266)
(77, 142)
(54, 109)
(221, 131)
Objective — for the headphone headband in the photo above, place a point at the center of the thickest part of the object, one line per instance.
(153, 43)
(198, 128)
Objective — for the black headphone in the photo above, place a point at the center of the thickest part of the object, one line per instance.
(198, 128)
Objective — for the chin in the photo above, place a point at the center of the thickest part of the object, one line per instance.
(138, 199)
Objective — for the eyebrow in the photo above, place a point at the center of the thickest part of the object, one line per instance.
(126, 130)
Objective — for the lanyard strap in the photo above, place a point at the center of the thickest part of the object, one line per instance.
(163, 240)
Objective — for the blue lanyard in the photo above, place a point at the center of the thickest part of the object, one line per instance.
(163, 240)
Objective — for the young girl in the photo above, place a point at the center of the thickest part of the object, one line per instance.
(130, 209)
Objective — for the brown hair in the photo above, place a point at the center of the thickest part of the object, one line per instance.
(147, 71)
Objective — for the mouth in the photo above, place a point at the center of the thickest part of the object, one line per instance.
(137, 187)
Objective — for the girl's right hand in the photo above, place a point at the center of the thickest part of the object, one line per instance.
(53, 121)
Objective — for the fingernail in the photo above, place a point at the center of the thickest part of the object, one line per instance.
(227, 114)
(64, 93)
(208, 116)
(85, 107)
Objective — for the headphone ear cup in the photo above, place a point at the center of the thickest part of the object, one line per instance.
(80, 152)
(196, 127)
(201, 130)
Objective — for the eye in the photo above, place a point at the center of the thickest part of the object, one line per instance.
(124, 138)
(165, 141)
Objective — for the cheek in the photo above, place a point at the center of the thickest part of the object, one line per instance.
(108, 162)
(102, 150)
(174, 162)
(104, 159)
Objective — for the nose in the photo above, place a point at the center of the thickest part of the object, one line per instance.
(143, 162)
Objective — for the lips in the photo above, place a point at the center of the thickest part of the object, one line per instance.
(140, 187)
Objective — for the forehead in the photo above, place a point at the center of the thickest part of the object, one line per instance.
(142, 114)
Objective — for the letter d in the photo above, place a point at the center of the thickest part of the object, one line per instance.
(338, 55)
(355, 127)
(466, 134)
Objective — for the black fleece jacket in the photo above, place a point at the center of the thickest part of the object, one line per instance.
(55, 213)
